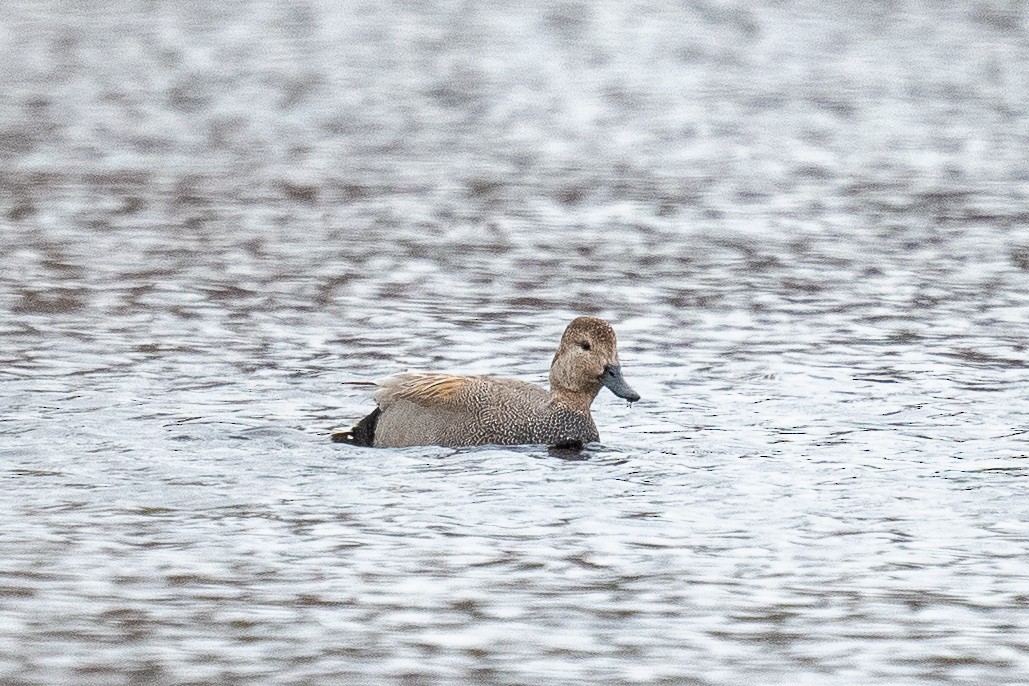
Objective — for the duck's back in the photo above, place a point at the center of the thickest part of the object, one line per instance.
(441, 409)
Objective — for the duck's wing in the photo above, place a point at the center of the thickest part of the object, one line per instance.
(428, 389)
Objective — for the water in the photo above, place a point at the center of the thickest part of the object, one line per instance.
(808, 225)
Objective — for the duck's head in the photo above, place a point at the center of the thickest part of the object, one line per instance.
(586, 360)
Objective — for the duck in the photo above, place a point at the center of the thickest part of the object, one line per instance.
(432, 408)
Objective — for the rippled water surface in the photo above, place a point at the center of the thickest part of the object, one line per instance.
(807, 222)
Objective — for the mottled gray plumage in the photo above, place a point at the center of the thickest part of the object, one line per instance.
(450, 410)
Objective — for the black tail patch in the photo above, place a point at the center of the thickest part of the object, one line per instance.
(362, 434)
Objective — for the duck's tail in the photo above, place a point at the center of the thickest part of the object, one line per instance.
(362, 434)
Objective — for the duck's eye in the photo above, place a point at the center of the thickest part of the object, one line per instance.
(584, 345)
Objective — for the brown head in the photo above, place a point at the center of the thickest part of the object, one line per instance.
(586, 360)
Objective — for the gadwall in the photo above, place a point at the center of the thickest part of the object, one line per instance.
(444, 409)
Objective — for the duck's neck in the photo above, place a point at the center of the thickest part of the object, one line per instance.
(578, 401)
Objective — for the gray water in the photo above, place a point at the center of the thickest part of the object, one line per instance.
(808, 222)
